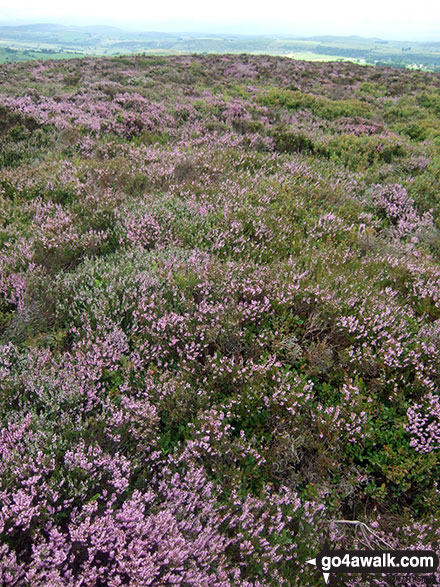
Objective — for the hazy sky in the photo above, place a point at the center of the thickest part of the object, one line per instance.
(392, 19)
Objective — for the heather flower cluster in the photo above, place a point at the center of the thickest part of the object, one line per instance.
(400, 211)
(219, 318)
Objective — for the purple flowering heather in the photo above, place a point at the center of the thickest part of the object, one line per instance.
(219, 318)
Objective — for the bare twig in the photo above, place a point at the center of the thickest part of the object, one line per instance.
(363, 528)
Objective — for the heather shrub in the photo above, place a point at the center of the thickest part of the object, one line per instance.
(289, 141)
(219, 307)
(398, 208)
(14, 124)
(20, 145)
(430, 101)
(362, 153)
(105, 286)
(36, 316)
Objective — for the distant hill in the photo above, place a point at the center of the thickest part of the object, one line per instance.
(46, 40)
(59, 28)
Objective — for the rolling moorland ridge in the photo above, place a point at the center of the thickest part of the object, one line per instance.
(219, 319)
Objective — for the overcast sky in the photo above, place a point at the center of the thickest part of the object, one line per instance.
(391, 19)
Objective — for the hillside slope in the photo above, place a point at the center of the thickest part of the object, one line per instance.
(219, 318)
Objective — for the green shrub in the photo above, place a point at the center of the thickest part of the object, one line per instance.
(361, 153)
(291, 141)
(318, 105)
(430, 102)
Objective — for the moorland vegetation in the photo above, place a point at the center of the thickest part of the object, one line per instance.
(219, 318)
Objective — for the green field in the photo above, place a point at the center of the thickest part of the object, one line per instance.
(310, 56)
(9, 55)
